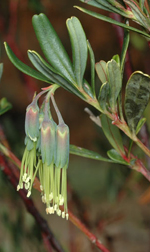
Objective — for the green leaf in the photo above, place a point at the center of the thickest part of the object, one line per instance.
(141, 4)
(115, 83)
(108, 6)
(22, 67)
(92, 60)
(112, 21)
(116, 9)
(112, 133)
(87, 88)
(140, 124)
(47, 71)
(136, 98)
(117, 59)
(1, 70)
(126, 40)
(103, 96)
(101, 71)
(95, 4)
(79, 48)
(87, 153)
(52, 46)
(140, 17)
(4, 106)
(115, 156)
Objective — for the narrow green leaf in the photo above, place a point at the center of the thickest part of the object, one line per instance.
(115, 156)
(103, 96)
(87, 153)
(4, 106)
(115, 83)
(136, 98)
(140, 17)
(101, 71)
(116, 58)
(95, 4)
(92, 60)
(116, 9)
(112, 21)
(112, 133)
(126, 40)
(141, 4)
(1, 70)
(87, 88)
(79, 48)
(47, 71)
(52, 46)
(22, 67)
(140, 124)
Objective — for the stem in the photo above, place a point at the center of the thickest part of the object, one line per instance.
(60, 119)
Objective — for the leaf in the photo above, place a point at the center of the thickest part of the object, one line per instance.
(101, 71)
(87, 88)
(87, 153)
(112, 21)
(140, 17)
(92, 61)
(136, 98)
(126, 40)
(108, 6)
(115, 83)
(115, 156)
(52, 46)
(22, 67)
(103, 96)
(112, 133)
(141, 3)
(95, 4)
(140, 124)
(47, 71)
(79, 48)
(4, 106)
(117, 59)
(1, 70)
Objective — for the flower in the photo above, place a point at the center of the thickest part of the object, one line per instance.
(46, 154)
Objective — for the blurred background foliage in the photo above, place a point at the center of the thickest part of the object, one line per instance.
(104, 196)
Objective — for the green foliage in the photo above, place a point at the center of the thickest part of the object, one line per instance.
(115, 156)
(75, 150)
(4, 106)
(112, 133)
(112, 21)
(115, 83)
(136, 98)
(79, 48)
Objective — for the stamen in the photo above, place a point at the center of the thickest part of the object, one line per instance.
(28, 194)
(63, 215)
(67, 216)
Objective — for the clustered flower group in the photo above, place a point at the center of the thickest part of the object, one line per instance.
(46, 154)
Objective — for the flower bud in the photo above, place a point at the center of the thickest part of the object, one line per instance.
(32, 121)
(48, 141)
(62, 149)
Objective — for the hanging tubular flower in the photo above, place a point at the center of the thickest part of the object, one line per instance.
(46, 154)
(61, 163)
(32, 121)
